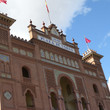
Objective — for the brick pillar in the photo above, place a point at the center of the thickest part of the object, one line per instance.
(50, 103)
(88, 106)
(60, 100)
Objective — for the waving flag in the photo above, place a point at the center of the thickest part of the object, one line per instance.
(4, 1)
(87, 40)
(46, 6)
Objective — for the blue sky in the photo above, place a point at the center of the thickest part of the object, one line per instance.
(95, 25)
(75, 17)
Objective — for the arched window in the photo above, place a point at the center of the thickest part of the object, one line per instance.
(100, 106)
(95, 88)
(25, 72)
(84, 105)
(29, 99)
(54, 101)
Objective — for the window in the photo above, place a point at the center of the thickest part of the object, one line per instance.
(95, 88)
(29, 99)
(25, 72)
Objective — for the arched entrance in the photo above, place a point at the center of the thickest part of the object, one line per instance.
(54, 101)
(100, 106)
(29, 99)
(68, 94)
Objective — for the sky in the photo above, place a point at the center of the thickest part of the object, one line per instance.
(77, 18)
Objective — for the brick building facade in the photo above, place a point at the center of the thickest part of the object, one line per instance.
(48, 73)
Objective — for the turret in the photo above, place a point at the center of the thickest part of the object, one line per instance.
(5, 23)
(93, 57)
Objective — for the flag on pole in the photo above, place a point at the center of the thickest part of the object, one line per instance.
(4, 1)
(87, 40)
(46, 6)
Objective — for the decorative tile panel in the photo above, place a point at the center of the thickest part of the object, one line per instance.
(42, 53)
(68, 61)
(4, 47)
(90, 73)
(76, 64)
(64, 60)
(22, 52)
(51, 56)
(72, 63)
(104, 85)
(60, 59)
(7, 95)
(47, 55)
(4, 58)
(16, 50)
(29, 54)
(56, 58)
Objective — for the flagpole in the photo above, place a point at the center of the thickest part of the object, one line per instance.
(48, 12)
(87, 44)
(49, 18)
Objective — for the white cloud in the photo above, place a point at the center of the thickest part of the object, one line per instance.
(86, 10)
(109, 83)
(62, 13)
(104, 42)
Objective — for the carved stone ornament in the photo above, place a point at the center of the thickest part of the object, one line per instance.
(7, 95)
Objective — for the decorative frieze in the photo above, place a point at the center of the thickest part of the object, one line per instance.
(91, 73)
(59, 58)
(3, 47)
(104, 85)
(5, 75)
(2, 25)
(22, 52)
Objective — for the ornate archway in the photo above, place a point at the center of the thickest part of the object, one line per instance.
(68, 94)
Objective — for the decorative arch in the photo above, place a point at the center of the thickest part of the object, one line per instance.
(68, 90)
(68, 77)
(101, 107)
(52, 90)
(28, 89)
(29, 99)
(54, 101)
(84, 103)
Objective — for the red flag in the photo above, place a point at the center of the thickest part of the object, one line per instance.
(87, 40)
(46, 6)
(4, 1)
